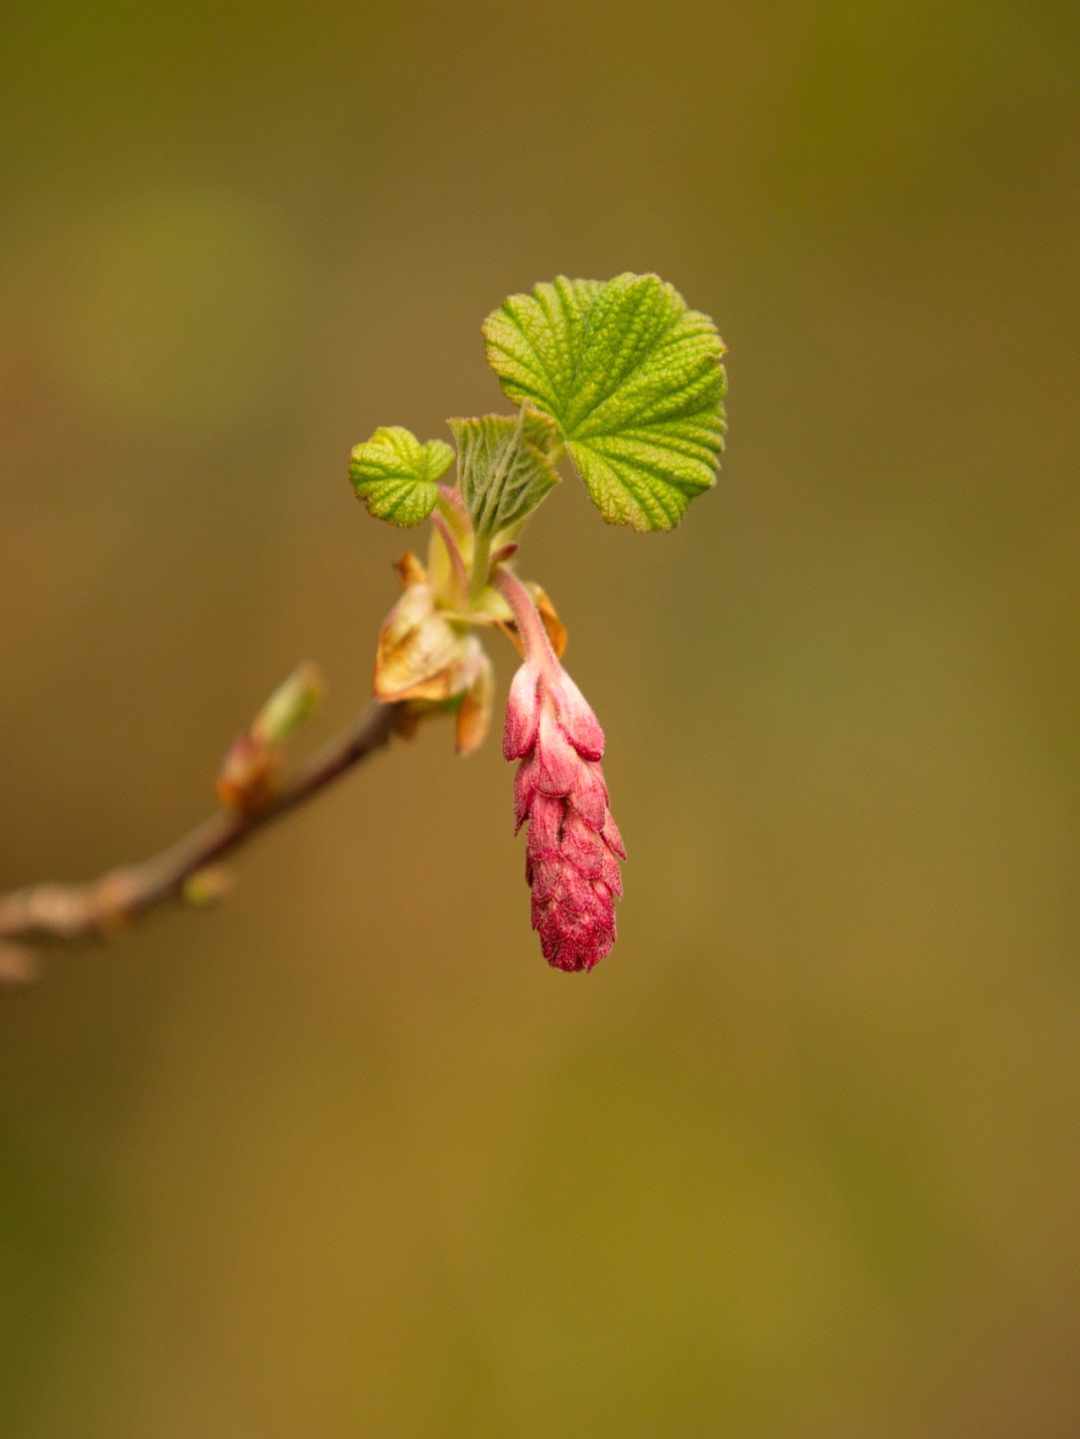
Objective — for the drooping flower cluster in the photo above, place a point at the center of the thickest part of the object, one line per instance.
(429, 661)
(573, 844)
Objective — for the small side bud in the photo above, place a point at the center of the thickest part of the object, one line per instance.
(247, 780)
(207, 885)
(289, 706)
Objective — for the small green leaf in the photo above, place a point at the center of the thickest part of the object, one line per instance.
(503, 468)
(634, 382)
(395, 475)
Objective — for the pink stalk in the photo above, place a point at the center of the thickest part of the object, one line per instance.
(573, 844)
(457, 564)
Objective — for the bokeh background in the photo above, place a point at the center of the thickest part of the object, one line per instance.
(342, 1156)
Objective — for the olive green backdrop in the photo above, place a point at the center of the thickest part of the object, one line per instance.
(343, 1157)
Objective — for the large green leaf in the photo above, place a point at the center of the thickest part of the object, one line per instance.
(396, 476)
(503, 468)
(632, 379)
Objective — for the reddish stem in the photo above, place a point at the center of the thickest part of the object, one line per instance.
(534, 636)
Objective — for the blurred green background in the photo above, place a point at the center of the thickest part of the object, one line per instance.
(343, 1156)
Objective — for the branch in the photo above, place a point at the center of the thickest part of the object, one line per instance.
(110, 904)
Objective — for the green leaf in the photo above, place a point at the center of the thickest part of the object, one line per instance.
(395, 475)
(634, 382)
(503, 468)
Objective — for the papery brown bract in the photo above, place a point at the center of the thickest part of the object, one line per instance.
(424, 657)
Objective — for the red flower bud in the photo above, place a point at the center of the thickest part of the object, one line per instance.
(573, 844)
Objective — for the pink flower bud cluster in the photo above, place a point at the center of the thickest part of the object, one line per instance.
(573, 845)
